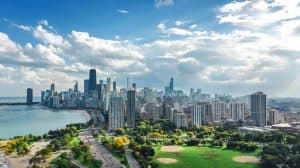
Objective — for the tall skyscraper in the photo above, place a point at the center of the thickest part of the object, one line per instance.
(171, 85)
(131, 108)
(53, 87)
(259, 108)
(116, 113)
(76, 86)
(86, 86)
(134, 86)
(114, 86)
(92, 80)
(29, 96)
(108, 85)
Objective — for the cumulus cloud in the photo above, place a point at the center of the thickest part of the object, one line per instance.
(260, 51)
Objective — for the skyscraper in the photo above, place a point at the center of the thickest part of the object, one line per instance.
(76, 87)
(218, 110)
(171, 85)
(29, 96)
(114, 86)
(237, 111)
(134, 86)
(116, 113)
(86, 86)
(53, 87)
(92, 80)
(196, 114)
(131, 108)
(259, 108)
(108, 85)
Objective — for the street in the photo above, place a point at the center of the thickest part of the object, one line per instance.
(130, 159)
(99, 151)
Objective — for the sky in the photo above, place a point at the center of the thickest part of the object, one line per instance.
(221, 46)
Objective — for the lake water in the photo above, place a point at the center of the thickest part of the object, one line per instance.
(22, 119)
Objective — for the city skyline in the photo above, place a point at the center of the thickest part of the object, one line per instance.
(222, 46)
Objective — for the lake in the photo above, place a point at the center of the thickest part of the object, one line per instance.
(36, 119)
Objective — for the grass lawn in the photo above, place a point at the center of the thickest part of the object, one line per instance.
(204, 157)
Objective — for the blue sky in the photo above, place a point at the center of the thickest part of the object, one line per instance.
(235, 47)
(100, 17)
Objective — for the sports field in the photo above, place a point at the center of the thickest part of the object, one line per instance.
(201, 157)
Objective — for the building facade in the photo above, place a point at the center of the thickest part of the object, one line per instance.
(131, 108)
(116, 113)
(259, 108)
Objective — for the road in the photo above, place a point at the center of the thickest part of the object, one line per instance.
(130, 159)
(99, 151)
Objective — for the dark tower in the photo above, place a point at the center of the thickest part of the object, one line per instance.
(114, 86)
(29, 96)
(131, 108)
(92, 79)
(171, 85)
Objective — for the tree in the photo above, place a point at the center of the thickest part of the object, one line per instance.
(236, 137)
(120, 131)
(146, 151)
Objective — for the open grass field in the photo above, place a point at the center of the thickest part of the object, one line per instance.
(204, 157)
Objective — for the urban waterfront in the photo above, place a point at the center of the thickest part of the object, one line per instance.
(22, 120)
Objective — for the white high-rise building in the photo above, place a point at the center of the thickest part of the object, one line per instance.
(180, 120)
(148, 94)
(237, 111)
(198, 109)
(154, 110)
(273, 117)
(116, 113)
(218, 110)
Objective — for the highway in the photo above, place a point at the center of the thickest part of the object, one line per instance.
(99, 151)
(130, 159)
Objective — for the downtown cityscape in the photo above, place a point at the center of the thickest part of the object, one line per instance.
(150, 84)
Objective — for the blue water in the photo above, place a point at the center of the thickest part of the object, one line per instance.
(22, 119)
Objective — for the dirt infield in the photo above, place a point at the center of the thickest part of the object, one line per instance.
(166, 160)
(246, 159)
(172, 149)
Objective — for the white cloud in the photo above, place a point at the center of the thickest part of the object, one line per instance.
(180, 22)
(163, 3)
(258, 13)
(193, 26)
(254, 54)
(122, 11)
(23, 27)
(173, 30)
(49, 38)
(43, 22)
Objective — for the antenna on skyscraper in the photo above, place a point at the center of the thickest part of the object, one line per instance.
(127, 82)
